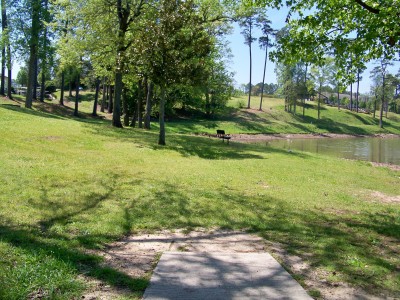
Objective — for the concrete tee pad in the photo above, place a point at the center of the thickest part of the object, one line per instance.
(194, 275)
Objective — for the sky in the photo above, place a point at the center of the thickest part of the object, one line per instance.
(240, 60)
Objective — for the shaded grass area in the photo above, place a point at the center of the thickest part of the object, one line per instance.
(68, 187)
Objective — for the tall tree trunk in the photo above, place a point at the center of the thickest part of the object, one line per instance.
(305, 89)
(42, 86)
(96, 97)
(3, 50)
(35, 82)
(376, 96)
(383, 102)
(351, 96)
(319, 101)
(140, 104)
(338, 99)
(386, 108)
(110, 99)
(116, 121)
(103, 101)
(248, 102)
(9, 67)
(134, 115)
(358, 89)
(161, 138)
(125, 107)
(62, 88)
(263, 81)
(44, 62)
(149, 100)
(3, 71)
(77, 95)
(33, 48)
(70, 89)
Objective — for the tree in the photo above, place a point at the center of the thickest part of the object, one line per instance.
(321, 75)
(6, 44)
(379, 74)
(265, 42)
(176, 49)
(320, 26)
(22, 76)
(33, 51)
(248, 21)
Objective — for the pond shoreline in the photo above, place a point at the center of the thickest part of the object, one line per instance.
(279, 136)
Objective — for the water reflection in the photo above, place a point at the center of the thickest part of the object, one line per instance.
(381, 150)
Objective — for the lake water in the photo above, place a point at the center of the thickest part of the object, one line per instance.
(381, 150)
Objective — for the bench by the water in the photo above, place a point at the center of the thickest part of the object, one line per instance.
(222, 135)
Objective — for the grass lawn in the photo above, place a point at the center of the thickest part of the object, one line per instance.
(72, 184)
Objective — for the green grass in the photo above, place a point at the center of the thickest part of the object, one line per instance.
(273, 119)
(72, 184)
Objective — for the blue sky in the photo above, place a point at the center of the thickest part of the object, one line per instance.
(240, 60)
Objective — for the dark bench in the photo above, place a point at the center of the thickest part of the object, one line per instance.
(222, 135)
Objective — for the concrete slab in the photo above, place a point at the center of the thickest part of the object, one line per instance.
(221, 276)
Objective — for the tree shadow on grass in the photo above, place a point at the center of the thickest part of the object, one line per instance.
(340, 242)
(18, 109)
(54, 111)
(33, 242)
(325, 240)
(191, 145)
(52, 238)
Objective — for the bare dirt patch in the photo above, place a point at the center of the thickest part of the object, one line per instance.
(390, 166)
(136, 256)
(279, 136)
(383, 198)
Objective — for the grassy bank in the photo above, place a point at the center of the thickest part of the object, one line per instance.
(73, 184)
(273, 119)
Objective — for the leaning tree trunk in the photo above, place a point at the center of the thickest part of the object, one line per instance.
(96, 97)
(77, 95)
(263, 82)
(149, 100)
(33, 48)
(161, 138)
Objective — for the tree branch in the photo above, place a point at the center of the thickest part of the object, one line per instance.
(367, 7)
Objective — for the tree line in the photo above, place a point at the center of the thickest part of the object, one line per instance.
(138, 53)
